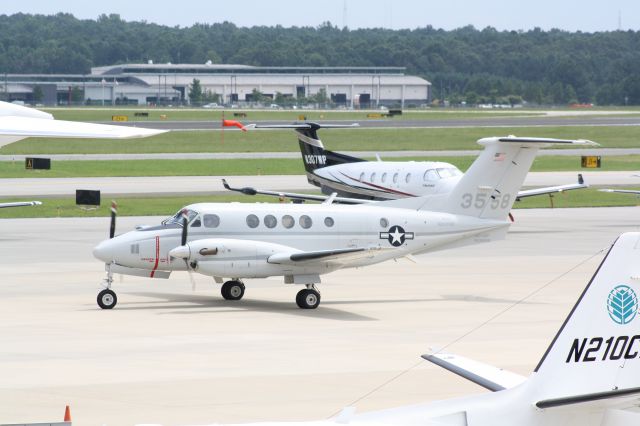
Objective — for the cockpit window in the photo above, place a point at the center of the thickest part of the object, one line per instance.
(177, 218)
(448, 172)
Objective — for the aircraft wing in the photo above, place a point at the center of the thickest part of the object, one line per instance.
(295, 196)
(621, 191)
(20, 204)
(553, 189)
(22, 127)
(489, 377)
(343, 255)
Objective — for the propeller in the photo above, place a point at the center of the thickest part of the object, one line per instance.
(183, 243)
(114, 212)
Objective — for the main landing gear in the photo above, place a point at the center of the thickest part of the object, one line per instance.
(107, 298)
(308, 298)
(232, 290)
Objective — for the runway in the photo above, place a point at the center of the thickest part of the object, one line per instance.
(199, 185)
(488, 122)
(171, 356)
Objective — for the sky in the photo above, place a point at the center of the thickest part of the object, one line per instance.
(571, 15)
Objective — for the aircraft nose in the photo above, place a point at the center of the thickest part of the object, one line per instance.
(104, 251)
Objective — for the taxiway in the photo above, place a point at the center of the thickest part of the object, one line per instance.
(171, 356)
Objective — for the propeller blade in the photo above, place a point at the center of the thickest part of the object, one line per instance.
(114, 212)
(185, 222)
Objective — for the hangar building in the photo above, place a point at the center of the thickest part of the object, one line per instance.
(150, 83)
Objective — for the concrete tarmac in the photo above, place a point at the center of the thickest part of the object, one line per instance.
(170, 355)
(199, 185)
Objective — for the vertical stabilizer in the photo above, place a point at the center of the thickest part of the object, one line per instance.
(596, 353)
(314, 156)
(490, 186)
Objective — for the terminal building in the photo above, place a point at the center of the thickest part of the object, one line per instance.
(163, 84)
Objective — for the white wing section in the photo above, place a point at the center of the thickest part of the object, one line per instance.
(621, 191)
(487, 376)
(20, 204)
(30, 126)
(553, 189)
(342, 255)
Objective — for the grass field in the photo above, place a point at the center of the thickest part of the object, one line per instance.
(166, 206)
(248, 167)
(334, 139)
(201, 114)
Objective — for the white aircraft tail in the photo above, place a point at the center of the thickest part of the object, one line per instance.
(490, 186)
(596, 354)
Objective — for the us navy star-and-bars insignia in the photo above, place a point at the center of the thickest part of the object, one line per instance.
(396, 236)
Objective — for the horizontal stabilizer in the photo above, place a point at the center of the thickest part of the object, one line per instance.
(302, 126)
(550, 141)
(487, 376)
(590, 397)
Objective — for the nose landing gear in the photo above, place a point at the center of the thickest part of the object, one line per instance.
(107, 298)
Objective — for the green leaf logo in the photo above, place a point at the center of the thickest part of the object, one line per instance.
(622, 304)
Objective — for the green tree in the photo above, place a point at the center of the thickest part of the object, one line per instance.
(195, 92)
(37, 94)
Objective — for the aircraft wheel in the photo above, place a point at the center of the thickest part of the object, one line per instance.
(107, 299)
(232, 290)
(308, 299)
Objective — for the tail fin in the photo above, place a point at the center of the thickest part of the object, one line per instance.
(314, 155)
(596, 353)
(490, 186)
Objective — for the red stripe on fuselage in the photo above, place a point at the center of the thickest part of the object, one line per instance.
(155, 266)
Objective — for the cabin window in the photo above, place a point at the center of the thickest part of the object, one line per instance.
(384, 223)
(328, 221)
(395, 178)
(211, 220)
(288, 221)
(384, 177)
(270, 221)
(407, 178)
(430, 175)
(196, 223)
(253, 221)
(305, 221)
(373, 177)
(361, 176)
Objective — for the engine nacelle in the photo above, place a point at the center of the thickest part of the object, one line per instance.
(240, 258)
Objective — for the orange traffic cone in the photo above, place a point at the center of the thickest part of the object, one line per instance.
(67, 414)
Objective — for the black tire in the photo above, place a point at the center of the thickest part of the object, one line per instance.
(308, 299)
(232, 290)
(107, 299)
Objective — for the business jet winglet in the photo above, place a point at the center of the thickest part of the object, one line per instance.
(301, 242)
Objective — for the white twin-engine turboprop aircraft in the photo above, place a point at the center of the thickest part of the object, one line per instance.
(355, 179)
(302, 241)
(18, 122)
(589, 375)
